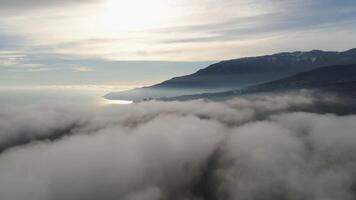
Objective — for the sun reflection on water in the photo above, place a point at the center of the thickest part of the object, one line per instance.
(116, 102)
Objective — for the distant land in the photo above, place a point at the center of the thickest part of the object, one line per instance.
(233, 75)
(337, 79)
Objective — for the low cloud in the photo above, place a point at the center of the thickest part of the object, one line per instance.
(292, 156)
(261, 147)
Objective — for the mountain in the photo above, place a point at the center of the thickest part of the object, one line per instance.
(239, 73)
(339, 79)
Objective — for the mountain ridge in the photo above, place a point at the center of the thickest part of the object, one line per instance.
(338, 79)
(239, 73)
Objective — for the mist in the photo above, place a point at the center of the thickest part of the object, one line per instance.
(248, 148)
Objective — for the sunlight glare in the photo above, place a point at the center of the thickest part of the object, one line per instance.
(123, 15)
(107, 102)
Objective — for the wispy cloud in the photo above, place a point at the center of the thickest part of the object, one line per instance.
(66, 34)
(8, 7)
(83, 69)
(200, 22)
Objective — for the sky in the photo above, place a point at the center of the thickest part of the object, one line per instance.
(120, 44)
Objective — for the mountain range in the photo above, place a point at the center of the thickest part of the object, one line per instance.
(337, 79)
(237, 74)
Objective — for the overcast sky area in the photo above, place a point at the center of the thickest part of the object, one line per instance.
(88, 42)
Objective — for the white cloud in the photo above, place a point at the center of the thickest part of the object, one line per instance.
(245, 149)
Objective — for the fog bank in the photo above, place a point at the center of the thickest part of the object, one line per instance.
(261, 147)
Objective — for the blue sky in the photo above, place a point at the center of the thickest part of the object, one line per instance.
(109, 42)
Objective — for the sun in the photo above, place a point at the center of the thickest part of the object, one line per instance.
(132, 15)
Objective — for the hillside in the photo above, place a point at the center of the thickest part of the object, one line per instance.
(239, 73)
(340, 79)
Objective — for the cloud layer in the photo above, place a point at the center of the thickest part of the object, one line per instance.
(183, 30)
(247, 148)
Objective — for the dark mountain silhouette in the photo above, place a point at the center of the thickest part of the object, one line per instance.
(337, 79)
(239, 73)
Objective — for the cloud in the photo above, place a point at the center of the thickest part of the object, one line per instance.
(83, 69)
(247, 148)
(194, 30)
(17, 69)
(11, 42)
(7, 6)
(10, 58)
(292, 156)
(266, 24)
(129, 161)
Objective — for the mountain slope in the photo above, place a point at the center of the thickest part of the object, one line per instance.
(323, 77)
(340, 79)
(238, 73)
